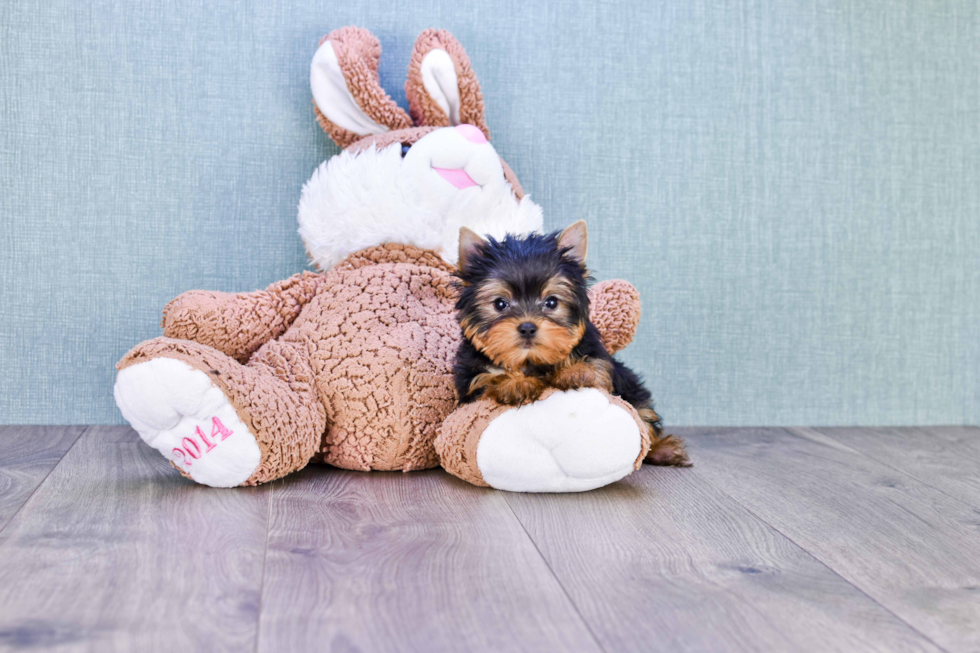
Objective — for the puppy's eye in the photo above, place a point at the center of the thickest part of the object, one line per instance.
(551, 303)
(500, 304)
(405, 148)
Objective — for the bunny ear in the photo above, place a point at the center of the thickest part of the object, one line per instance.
(442, 89)
(350, 103)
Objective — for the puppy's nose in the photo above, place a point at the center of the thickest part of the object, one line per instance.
(527, 329)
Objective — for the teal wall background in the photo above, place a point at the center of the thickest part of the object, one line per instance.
(794, 187)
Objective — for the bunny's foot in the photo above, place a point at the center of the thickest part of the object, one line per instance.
(219, 422)
(568, 441)
(177, 410)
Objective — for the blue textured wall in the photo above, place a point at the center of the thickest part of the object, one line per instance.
(795, 187)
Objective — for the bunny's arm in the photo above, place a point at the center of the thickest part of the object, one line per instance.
(615, 311)
(237, 324)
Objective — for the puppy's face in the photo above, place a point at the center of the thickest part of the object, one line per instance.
(524, 300)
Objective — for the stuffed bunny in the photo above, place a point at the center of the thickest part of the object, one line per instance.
(352, 366)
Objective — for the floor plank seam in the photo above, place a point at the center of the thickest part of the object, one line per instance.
(821, 562)
(574, 605)
(897, 470)
(265, 564)
(85, 429)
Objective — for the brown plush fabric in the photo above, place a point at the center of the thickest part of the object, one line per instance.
(644, 431)
(459, 436)
(238, 323)
(393, 253)
(356, 367)
(615, 311)
(381, 141)
(358, 54)
(423, 108)
(386, 337)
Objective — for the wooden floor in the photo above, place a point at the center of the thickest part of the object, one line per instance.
(776, 540)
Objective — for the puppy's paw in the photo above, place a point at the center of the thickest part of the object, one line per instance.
(515, 389)
(591, 373)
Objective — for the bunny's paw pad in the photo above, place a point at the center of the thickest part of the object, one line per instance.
(571, 441)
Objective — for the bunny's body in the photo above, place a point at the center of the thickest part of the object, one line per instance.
(353, 366)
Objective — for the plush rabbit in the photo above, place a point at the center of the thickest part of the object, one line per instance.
(352, 366)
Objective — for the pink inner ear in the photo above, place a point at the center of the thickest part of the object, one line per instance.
(456, 176)
(472, 134)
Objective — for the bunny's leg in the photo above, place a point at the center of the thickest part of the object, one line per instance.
(568, 441)
(219, 422)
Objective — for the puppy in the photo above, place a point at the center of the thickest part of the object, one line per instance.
(524, 311)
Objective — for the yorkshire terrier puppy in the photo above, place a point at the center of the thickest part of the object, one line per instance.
(524, 311)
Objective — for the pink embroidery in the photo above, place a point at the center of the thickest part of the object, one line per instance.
(218, 427)
(192, 450)
(188, 443)
(204, 438)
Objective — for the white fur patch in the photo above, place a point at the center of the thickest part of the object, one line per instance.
(372, 197)
(178, 411)
(570, 442)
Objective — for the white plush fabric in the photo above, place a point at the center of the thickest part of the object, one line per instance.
(332, 96)
(440, 82)
(167, 400)
(358, 200)
(570, 442)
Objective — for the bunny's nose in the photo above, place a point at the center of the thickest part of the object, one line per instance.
(472, 134)
(527, 329)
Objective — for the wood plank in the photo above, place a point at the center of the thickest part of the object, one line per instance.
(664, 561)
(27, 455)
(406, 562)
(117, 552)
(910, 547)
(945, 457)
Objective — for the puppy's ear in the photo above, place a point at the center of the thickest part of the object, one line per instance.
(576, 239)
(470, 243)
